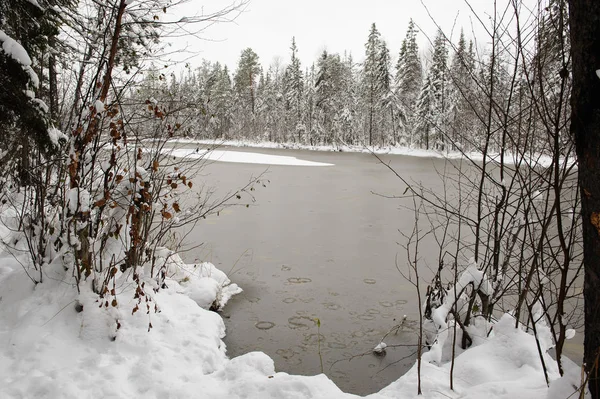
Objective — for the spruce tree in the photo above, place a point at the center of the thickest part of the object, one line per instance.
(435, 95)
(245, 85)
(324, 88)
(245, 79)
(385, 111)
(223, 104)
(424, 116)
(370, 82)
(294, 85)
(27, 30)
(462, 118)
(408, 82)
(310, 99)
(349, 123)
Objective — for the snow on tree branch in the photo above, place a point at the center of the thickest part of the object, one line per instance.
(18, 53)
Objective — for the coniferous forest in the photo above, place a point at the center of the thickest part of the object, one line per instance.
(429, 98)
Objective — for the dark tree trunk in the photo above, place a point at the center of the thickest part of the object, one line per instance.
(584, 18)
(52, 82)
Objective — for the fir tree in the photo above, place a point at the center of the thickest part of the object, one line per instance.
(245, 79)
(310, 98)
(424, 118)
(376, 83)
(462, 94)
(408, 82)
(245, 84)
(435, 95)
(293, 86)
(385, 111)
(370, 81)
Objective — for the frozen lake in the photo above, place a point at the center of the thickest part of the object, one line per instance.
(319, 243)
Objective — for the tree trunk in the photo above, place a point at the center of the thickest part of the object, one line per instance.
(53, 94)
(584, 18)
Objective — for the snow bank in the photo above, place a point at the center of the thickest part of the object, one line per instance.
(49, 350)
(242, 157)
(206, 285)
(507, 366)
(439, 315)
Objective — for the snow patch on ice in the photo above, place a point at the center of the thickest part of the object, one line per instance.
(242, 157)
(380, 348)
(509, 158)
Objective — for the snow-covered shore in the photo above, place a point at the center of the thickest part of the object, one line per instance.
(56, 343)
(509, 158)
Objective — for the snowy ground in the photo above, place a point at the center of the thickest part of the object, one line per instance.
(534, 159)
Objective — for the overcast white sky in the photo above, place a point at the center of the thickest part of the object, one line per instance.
(267, 26)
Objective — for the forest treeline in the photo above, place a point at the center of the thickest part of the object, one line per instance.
(434, 101)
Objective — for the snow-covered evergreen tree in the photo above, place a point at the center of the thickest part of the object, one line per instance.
(26, 32)
(407, 84)
(218, 109)
(424, 120)
(294, 86)
(324, 93)
(370, 83)
(245, 84)
(271, 108)
(434, 99)
(462, 118)
(376, 89)
(348, 121)
(309, 104)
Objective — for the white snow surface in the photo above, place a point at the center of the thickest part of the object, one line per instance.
(242, 157)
